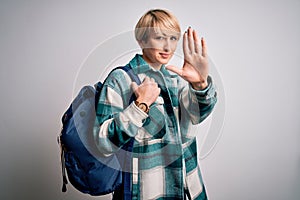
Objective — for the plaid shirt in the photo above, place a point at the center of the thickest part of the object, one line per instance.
(165, 164)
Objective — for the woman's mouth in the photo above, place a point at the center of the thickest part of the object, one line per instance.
(164, 55)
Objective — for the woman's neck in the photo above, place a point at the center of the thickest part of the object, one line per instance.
(156, 66)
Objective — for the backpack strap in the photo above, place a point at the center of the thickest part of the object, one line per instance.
(132, 75)
(63, 165)
(134, 78)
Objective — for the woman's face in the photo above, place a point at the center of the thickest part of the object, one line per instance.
(159, 47)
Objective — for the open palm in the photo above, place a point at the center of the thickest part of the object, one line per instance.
(195, 68)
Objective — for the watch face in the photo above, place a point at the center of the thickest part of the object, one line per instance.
(143, 107)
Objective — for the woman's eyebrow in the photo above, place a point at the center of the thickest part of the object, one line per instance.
(164, 34)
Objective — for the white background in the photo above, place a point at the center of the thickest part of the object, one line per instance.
(255, 45)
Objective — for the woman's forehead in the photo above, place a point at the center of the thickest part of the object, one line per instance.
(163, 31)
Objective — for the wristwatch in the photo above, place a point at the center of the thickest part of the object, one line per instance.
(143, 106)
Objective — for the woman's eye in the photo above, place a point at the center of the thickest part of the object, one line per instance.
(173, 38)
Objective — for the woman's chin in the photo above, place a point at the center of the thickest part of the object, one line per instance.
(164, 61)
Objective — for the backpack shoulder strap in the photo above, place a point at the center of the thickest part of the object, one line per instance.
(132, 75)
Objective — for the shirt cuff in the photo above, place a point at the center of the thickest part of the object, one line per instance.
(135, 115)
(204, 91)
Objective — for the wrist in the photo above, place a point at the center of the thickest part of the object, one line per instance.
(200, 85)
(142, 105)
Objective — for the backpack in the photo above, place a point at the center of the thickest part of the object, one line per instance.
(87, 169)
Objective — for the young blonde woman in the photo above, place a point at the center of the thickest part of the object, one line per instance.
(168, 102)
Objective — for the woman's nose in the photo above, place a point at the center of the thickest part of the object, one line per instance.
(167, 46)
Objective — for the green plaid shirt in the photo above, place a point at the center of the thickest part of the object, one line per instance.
(165, 164)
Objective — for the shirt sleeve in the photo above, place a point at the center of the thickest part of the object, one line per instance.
(116, 120)
(196, 105)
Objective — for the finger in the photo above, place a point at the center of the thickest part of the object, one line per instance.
(191, 40)
(185, 45)
(174, 69)
(196, 41)
(204, 48)
(152, 80)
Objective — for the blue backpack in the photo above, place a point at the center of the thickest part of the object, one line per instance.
(87, 169)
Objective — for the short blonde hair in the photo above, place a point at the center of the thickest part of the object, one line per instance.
(155, 18)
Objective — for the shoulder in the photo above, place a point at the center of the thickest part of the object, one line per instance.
(118, 78)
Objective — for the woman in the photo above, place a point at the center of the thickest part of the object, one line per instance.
(168, 101)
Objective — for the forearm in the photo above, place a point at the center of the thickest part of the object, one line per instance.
(198, 104)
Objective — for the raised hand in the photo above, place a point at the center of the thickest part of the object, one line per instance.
(195, 68)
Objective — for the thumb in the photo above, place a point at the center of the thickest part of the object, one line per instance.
(174, 69)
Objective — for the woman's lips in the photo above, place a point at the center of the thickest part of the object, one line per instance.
(164, 55)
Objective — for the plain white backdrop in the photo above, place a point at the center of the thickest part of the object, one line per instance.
(255, 46)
